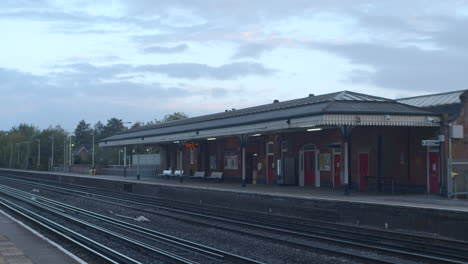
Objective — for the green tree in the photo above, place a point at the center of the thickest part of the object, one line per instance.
(113, 126)
(98, 131)
(174, 116)
(83, 134)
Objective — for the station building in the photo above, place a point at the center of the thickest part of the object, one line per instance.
(335, 140)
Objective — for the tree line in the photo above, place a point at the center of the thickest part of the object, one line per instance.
(28, 147)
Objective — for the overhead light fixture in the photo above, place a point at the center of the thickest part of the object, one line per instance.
(176, 142)
(256, 135)
(255, 154)
(314, 129)
(211, 139)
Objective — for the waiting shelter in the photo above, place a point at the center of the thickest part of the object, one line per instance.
(341, 139)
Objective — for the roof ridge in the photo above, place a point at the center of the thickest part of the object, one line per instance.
(427, 95)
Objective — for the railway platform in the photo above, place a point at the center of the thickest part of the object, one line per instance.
(432, 214)
(20, 245)
(432, 201)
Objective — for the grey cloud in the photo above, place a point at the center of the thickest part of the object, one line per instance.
(409, 68)
(252, 50)
(199, 71)
(166, 50)
(173, 70)
(453, 34)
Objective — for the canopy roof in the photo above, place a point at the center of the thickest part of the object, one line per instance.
(340, 108)
(448, 102)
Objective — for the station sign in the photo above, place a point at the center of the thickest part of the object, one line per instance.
(191, 145)
(430, 142)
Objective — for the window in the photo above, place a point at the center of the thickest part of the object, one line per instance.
(213, 162)
(230, 160)
(270, 148)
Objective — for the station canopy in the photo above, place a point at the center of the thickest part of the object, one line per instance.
(334, 109)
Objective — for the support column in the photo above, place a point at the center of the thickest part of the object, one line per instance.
(243, 140)
(346, 132)
(181, 149)
(138, 162)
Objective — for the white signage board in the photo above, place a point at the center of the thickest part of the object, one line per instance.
(456, 131)
(430, 143)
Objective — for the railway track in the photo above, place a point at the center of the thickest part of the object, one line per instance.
(203, 253)
(407, 246)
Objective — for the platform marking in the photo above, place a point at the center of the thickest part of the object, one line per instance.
(66, 252)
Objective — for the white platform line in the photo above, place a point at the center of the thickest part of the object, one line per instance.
(66, 252)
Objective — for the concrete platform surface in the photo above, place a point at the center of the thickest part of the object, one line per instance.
(18, 245)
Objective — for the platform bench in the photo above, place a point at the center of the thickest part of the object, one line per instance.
(165, 173)
(215, 175)
(198, 175)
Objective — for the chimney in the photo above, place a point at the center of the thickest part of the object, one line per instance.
(311, 95)
(276, 101)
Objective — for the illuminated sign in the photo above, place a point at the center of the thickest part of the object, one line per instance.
(191, 145)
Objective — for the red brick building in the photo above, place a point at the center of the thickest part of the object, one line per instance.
(453, 106)
(331, 140)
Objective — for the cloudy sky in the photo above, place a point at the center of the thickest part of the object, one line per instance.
(63, 61)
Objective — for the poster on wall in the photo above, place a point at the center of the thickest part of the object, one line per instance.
(230, 159)
(325, 162)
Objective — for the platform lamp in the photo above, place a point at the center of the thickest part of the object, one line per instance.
(38, 153)
(52, 154)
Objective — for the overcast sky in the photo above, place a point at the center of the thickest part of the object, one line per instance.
(63, 61)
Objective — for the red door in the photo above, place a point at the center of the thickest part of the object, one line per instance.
(309, 167)
(337, 169)
(270, 169)
(434, 171)
(363, 169)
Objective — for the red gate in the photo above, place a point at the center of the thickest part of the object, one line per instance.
(309, 167)
(434, 172)
(363, 169)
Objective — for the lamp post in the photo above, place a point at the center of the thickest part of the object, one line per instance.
(38, 152)
(18, 161)
(11, 155)
(125, 156)
(92, 154)
(64, 154)
(52, 155)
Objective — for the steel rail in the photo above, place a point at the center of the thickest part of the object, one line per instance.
(75, 238)
(200, 248)
(148, 233)
(429, 240)
(296, 232)
(334, 252)
(134, 242)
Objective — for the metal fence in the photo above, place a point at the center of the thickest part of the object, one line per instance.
(130, 171)
(458, 179)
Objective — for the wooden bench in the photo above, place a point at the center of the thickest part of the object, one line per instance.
(165, 173)
(215, 175)
(198, 175)
(178, 173)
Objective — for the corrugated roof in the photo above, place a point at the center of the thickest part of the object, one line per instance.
(340, 102)
(337, 96)
(433, 99)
